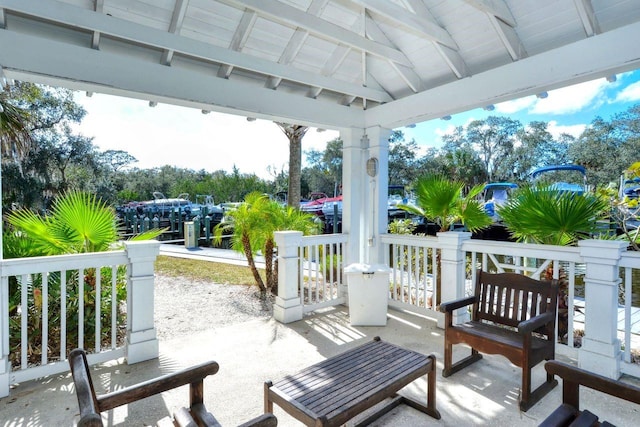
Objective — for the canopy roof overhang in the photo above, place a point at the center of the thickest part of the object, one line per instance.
(325, 63)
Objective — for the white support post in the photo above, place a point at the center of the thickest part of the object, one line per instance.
(5, 363)
(600, 351)
(142, 341)
(376, 194)
(288, 306)
(353, 179)
(452, 272)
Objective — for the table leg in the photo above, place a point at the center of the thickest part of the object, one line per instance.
(268, 404)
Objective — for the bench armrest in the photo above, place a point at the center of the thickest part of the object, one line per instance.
(456, 304)
(530, 325)
(194, 374)
(573, 377)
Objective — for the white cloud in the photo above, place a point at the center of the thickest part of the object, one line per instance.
(186, 138)
(630, 93)
(572, 99)
(510, 107)
(556, 130)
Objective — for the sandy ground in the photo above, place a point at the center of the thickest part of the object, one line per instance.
(208, 305)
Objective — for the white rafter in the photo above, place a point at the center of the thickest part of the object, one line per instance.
(588, 17)
(239, 39)
(503, 23)
(295, 43)
(451, 57)
(403, 17)
(406, 73)
(297, 18)
(74, 16)
(177, 19)
(95, 37)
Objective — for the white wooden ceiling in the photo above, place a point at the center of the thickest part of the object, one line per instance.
(328, 63)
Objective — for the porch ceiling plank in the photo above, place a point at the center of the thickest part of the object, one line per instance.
(95, 37)
(295, 18)
(407, 74)
(588, 17)
(71, 66)
(239, 39)
(177, 19)
(426, 27)
(578, 62)
(89, 20)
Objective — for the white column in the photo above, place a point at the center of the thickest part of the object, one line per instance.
(376, 193)
(5, 363)
(353, 188)
(453, 277)
(288, 306)
(600, 351)
(142, 342)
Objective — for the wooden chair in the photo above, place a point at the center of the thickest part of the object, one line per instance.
(512, 315)
(197, 415)
(569, 412)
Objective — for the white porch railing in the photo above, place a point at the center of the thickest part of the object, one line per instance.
(598, 324)
(41, 297)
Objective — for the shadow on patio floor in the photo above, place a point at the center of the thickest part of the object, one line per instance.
(253, 352)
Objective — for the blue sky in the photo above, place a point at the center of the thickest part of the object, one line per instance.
(567, 110)
(186, 138)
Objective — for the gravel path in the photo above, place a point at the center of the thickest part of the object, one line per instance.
(184, 306)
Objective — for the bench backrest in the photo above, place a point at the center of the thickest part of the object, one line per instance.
(510, 298)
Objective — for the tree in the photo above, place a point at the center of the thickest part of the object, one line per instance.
(493, 138)
(294, 133)
(14, 129)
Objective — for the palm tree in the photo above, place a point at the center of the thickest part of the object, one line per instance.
(294, 133)
(440, 200)
(14, 132)
(253, 225)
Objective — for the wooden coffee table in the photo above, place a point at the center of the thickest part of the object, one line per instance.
(333, 391)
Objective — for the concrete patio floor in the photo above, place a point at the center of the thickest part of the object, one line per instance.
(253, 352)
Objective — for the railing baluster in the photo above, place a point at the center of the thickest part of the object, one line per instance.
(63, 314)
(98, 304)
(45, 318)
(114, 306)
(24, 317)
(81, 308)
(628, 275)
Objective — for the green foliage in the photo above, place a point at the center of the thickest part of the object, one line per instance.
(401, 226)
(440, 200)
(537, 214)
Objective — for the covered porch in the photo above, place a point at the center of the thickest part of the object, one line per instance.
(362, 67)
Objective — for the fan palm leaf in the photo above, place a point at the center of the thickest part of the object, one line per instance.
(537, 214)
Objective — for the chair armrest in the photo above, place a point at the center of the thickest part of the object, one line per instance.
(572, 377)
(158, 385)
(456, 304)
(530, 325)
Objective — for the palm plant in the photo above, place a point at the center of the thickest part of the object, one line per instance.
(14, 133)
(253, 225)
(440, 200)
(538, 214)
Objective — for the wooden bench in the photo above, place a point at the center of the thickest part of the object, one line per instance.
(332, 392)
(569, 412)
(512, 315)
(92, 405)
